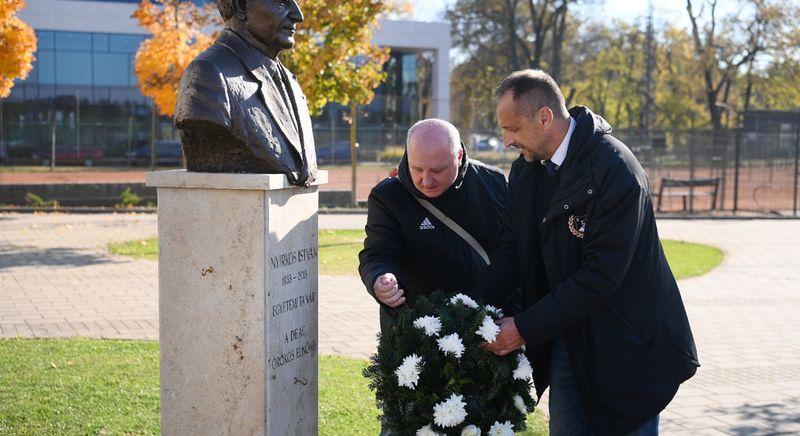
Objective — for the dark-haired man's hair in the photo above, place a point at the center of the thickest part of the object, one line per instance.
(534, 89)
(226, 8)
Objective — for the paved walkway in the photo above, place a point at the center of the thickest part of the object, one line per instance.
(57, 279)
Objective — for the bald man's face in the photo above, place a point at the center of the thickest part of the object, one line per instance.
(432, 164)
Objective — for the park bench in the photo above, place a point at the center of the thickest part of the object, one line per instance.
(686, 188)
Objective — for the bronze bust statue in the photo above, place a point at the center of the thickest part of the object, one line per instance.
(239, 109)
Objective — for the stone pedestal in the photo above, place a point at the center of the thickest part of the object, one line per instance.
(237, 274)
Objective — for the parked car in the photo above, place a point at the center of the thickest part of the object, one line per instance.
(167, 152)
(487, 144)
(335, 153)
(69, 154)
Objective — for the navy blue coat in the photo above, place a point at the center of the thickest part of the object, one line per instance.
(592, 270)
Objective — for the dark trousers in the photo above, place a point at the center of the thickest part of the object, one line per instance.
(566, 409)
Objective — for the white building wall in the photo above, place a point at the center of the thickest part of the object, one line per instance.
(81, 16)
(422, 36)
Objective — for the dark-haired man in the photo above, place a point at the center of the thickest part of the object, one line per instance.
(239, 110)
(603, 320)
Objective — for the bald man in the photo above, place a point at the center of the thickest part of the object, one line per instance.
(408, 251)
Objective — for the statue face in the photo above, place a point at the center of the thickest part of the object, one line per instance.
(272, 22)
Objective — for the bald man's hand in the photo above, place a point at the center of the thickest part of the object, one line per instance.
(507, 340)
(387, 290)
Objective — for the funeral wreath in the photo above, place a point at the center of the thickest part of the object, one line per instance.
(431, 376)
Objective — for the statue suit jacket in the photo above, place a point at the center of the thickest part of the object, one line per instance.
(233, 118)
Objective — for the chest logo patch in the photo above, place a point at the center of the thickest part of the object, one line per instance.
(426, 224)
(577, 225)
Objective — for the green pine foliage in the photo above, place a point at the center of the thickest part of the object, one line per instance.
(484, 380)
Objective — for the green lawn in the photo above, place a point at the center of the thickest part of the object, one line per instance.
(338, 250)
(691, 260)
(338, 253)
(78, 386)
(143, 248)
(84, 386)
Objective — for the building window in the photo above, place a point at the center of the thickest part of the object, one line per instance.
(73, 41)
(85, 59)
(111, 69)
(73, 68)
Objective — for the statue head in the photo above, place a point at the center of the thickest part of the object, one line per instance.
(267, 24)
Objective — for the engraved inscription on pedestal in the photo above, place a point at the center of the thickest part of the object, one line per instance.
(291, 317)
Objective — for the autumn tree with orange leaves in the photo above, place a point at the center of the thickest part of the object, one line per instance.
(17, 46)
(334, 57)
(177, 27)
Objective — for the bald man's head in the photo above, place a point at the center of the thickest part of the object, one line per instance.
(435, 132)
(434, 155)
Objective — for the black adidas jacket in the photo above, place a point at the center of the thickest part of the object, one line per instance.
(403, 238)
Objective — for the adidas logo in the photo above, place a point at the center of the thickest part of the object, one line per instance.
(426, 224)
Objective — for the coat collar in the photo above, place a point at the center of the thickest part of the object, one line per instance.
(576, 169)
(256, 62)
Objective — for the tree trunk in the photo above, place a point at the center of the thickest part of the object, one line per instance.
(511, 10)
(559, 29)
(539, 28)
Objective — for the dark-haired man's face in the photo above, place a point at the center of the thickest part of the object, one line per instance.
(527, 132)
(272, 22)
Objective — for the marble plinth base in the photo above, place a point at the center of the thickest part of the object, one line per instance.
(237, 303)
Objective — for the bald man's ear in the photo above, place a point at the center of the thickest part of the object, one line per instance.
(461, 153)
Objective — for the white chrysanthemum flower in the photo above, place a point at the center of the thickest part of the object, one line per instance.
(501, 429)
(463, 299)
(519, 403)
(471, 430)
(488, 329)
(408, 372)
(524, 370)
(427, 431)
(493, 310)
(450, 412)
(451, 344)
(430, 324)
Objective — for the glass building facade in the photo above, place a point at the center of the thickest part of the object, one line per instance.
(402, 99)
(82, 91)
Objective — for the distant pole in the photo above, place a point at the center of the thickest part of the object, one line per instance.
(331, 114)
(691, 168)
(648, 115)
(153, 137)
(53, 142)
(2, 146)
(737, 159)
(353, 160)
(796, 162)
(78, 127)
(130, 139)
